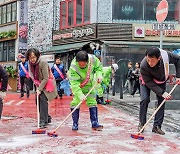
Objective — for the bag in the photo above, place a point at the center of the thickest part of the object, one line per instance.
(49, 85)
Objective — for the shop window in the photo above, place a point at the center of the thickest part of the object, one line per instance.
(128, 9)
(14, 11)
(4, 15)
(141, 10)
(7, 51)
(74, 13)
(0, 15)
(8, 13)
(79, 12)
(70, 13)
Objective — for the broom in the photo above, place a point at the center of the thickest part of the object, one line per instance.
(138, 135)
(54, 134)
(38, 131)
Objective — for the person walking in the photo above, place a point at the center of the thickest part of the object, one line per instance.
(81, 76)
(3, 87)
(136, 74)
(59, 74)
(154, 71)
(129, 79)
(24, 76)
(40, 73)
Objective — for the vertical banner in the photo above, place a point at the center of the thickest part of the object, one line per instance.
(23, 26)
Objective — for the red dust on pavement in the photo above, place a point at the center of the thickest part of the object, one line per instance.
(20, 118)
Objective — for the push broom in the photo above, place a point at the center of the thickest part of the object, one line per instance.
(38, 131)
(54, 134)
(138, 135)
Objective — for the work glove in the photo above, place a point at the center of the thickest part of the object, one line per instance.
(83, 98)
(177, 80)
(2, 94)
(167, 96)
(38, 92)
(99, 80)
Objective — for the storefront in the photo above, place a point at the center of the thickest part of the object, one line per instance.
(67, 42)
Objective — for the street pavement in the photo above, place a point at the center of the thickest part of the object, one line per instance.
(20, 118)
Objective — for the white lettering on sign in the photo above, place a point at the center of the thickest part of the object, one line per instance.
(162, 11)
(83, 32)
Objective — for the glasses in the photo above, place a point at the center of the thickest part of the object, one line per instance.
(32, 58)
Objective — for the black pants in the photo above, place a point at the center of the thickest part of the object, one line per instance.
(1, 107)
(43, 107)
(145, 99)
(135, 87)
(26, 81)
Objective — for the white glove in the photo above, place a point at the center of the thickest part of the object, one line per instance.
(178, 80)
(38, 92)
(2, 94)
(166, 96)
(83, 98)
(99, 80)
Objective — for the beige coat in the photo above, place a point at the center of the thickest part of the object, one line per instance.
(43, 78)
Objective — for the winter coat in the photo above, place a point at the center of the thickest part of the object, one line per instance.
(44, 71)
(3, 79)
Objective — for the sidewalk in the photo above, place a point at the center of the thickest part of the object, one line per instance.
(16, 133)
(131, 105)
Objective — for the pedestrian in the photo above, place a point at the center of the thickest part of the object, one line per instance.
(3, 87)
(136, 74)
(81, 76)
(129, 79)
(59, 74)
(24, 76)
(40, 73)
(107, 73)
(154, 71)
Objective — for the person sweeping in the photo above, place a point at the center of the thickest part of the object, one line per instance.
(81, 76)
(39, 72)
(3, 87)
(154, 70)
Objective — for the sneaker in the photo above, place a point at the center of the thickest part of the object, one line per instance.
(42, 125)
(157, 129)
(140, 126)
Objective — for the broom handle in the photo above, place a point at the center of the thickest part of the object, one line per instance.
(157, 110)
(75, 108)
(37, 97)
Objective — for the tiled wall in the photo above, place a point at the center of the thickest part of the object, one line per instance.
(40, 21)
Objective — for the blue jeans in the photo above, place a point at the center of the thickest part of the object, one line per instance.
(145, 99)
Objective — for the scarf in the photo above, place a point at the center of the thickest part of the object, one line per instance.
(35, 69)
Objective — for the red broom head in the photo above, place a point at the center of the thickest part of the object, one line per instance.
(137, 136)
(52, 134)
(107, 101)
(39, 131)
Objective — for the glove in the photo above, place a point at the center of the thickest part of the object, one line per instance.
(177, 80)
(99, 80)
(166, 96)
(38, 92)
(2, 94)
(83, 98)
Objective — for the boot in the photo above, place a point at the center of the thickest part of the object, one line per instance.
(157, 129)
(94, 118)
(60, 94)
(75, 117)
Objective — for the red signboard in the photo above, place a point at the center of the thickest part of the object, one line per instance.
(162, 11)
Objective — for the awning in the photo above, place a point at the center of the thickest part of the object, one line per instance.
(130, 44)
(64, 48)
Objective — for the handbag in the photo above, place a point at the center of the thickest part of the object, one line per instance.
(49, 85)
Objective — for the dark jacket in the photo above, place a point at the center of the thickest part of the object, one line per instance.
(21, 71)
(150, 73)
(3, 79)
(55, 72)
